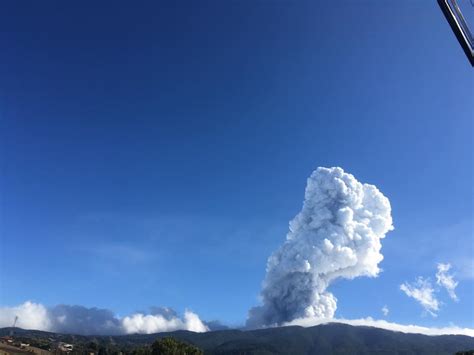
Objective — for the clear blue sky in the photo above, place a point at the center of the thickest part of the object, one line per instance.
(153, 155)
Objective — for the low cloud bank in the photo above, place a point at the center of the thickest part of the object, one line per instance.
(30, 316)
(370, 322)
(95, 321)
(148, 323)
(88, 321)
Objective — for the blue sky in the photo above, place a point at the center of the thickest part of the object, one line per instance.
(153, 155)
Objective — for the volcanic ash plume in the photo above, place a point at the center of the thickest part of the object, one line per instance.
(337, 234)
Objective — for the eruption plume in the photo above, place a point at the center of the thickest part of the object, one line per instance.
(336, 234)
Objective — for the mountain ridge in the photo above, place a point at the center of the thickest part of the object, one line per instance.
(330, 338)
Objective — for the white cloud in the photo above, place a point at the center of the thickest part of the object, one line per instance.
(30, 316)
(337, 234)
(82, 320)
(148, 324)
(423, 292)
(36, 316)
(369, 322)
(446, 280)
(193, 323)
(385, 310)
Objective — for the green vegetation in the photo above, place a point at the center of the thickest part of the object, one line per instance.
(171, 346)
(168, 346)
(320, 340)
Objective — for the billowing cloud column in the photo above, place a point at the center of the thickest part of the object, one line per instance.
(337, 233)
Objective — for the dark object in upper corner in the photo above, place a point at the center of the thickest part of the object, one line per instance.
(458, 24)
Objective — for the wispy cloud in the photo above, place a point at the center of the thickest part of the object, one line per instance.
(123, 252)
(385, 310)
(446, 280)
(465, 268)
(423, 250)
(423, 292)
(118, 252)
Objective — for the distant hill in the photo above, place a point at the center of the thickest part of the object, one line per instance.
(330, 338)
